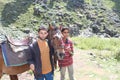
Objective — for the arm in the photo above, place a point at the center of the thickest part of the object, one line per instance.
(51, 48)
(31, 58)
(70, 48)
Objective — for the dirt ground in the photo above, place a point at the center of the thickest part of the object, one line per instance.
(84, 69)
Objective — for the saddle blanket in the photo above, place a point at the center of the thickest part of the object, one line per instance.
(12, 57)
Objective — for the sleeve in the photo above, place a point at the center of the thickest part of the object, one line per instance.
(31, 55)
(71, 46)
(51, 48)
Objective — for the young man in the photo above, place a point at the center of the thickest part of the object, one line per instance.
(67, 62)
(41, 57)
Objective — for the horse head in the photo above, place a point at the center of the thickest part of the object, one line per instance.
(55, 36)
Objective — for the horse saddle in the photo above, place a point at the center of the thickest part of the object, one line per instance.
(17, 45)
(15, 52)
(19, 42)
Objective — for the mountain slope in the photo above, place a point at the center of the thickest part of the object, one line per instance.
(84, 17)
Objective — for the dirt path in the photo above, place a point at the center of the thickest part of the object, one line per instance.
(84, 69)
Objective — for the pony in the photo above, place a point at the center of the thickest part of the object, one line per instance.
(55, 36)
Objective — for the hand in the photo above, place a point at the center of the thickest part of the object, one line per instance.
(32, 67)
(69, 49)
(71, 53)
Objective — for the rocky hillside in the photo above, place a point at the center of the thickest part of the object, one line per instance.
(84, 17)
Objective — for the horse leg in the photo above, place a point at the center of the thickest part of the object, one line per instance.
(0, 75)
(55, 61)
(13, 77)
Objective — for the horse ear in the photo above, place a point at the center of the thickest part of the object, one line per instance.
(50, 27)
(60, 27)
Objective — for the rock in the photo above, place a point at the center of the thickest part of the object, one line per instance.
(27, 31)
(79, 15)
(34, 21)
(74, 30)
(38, 11)
(96, 26)
(80, 25)
(103, 35)
(86, 32)
(44, 6)
(24, 3)
(110, 32)
(91, 16)
(40, 1)
(50, 13)
(66, 14)
(59, 14)
(117, 24)
(103, 8)
(117, 35)
(58, 7)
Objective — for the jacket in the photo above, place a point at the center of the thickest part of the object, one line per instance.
(36, 59)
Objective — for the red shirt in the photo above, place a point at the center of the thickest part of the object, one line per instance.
(68, 60)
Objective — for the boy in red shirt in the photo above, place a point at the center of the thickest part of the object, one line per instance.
(67, 62)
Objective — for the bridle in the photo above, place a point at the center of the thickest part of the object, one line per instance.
(55, 36)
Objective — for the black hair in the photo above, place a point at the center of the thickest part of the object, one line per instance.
(42, 28)
(65, 28)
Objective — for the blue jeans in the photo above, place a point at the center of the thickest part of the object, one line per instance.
(48, 76)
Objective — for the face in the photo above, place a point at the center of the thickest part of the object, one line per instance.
(65, 33)
(43, 34)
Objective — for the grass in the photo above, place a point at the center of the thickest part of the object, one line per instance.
(112, 4)
(106, 54)
(109, 4)
(108, 46)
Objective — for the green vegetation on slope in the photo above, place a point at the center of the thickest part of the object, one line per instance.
(20, 14)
